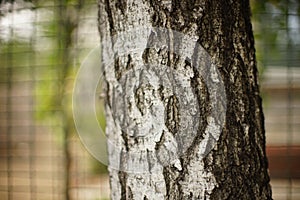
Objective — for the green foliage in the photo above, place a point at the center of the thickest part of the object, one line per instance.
(97, 167)
(277, 31)
(15, 61)
(47, 59)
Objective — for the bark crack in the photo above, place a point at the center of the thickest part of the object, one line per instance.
(122, 5)
(172, 114)
(110, 17)
(122, 175)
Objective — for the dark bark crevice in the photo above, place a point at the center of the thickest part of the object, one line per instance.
(121, 5)
(171, 175)
(172, 118)
(110, 18)
(123, 177)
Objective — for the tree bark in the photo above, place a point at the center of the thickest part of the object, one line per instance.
(184, 115)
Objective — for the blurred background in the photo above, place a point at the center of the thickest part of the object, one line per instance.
(42, 44)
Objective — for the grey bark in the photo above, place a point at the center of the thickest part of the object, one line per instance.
(170, 133)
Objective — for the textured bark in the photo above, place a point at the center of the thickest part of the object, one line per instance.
(166, 139)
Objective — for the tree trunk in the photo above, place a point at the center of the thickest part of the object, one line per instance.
(184, 115)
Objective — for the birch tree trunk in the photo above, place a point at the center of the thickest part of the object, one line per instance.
(184, 115)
